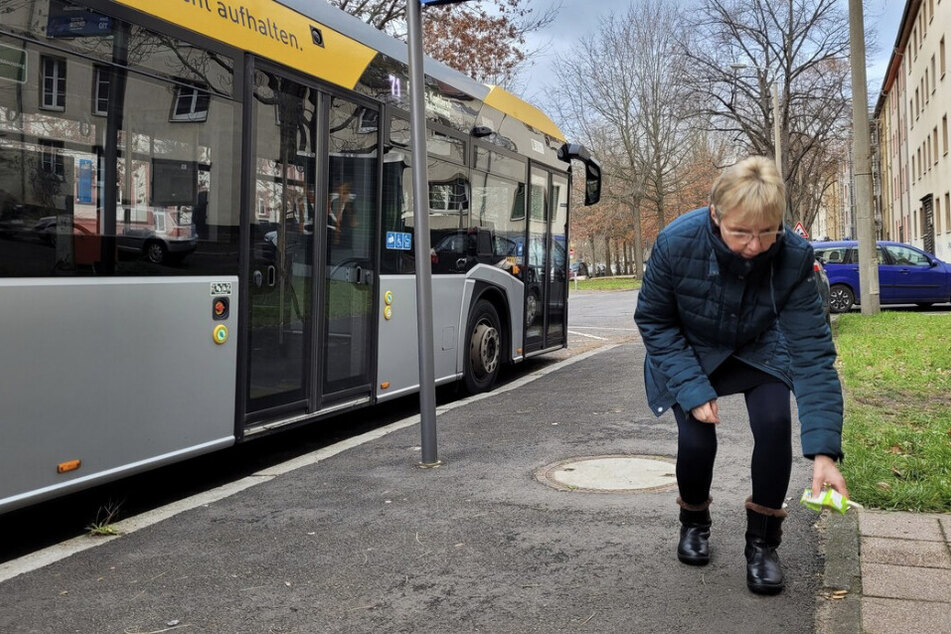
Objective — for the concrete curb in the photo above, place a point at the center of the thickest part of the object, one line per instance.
(840, 544)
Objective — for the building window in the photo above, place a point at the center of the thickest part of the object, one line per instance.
(190, 104)
(935, 137)
(51, 160)
(100, 91)
(54, 83)
(941, 55)
(944, 134)
(934, 74)
(947, 212)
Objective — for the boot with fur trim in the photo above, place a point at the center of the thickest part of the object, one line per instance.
(694, 546)
(764, 532)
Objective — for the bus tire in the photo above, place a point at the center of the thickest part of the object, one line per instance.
(483, 349)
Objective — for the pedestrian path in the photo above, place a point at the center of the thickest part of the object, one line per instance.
(906, 572)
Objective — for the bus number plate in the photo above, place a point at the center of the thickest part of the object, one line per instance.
(221, 288)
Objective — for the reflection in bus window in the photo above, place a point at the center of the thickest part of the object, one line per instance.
(174, 208)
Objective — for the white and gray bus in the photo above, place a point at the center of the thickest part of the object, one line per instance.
(206, 230)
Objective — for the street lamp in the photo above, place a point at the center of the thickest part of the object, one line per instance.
(777, 138)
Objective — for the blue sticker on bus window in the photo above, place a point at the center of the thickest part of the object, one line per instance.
(399, 240)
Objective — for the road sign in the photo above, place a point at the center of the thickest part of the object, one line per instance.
(801, 230)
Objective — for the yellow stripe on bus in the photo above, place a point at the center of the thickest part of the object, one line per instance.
(270, 30)
(502, 100)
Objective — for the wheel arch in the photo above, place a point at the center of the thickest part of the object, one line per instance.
(499, 299)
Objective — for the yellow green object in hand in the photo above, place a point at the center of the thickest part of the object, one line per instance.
(829, 498)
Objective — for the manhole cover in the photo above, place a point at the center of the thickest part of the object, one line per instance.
(610, 474)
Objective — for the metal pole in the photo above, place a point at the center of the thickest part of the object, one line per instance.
(865, 223)
(424, 286)
(777, 138)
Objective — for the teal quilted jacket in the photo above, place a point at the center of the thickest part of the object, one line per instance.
(700, 303)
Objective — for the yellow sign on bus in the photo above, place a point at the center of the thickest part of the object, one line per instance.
(270, 30)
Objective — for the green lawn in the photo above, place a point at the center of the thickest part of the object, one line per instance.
(896, 371)
(607, 284)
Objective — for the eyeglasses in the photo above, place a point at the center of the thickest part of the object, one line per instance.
(745, 237)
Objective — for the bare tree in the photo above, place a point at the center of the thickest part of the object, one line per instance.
(631, 106)
(485, 40)
(740, 48)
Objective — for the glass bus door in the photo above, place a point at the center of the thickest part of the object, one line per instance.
(281, 277)
(557, 307)
(351, 208)
(312, 264)
(536, 261)
(546, 267)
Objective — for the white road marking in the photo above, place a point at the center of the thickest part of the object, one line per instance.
(581, 334)
(52, 554)
(603, 328)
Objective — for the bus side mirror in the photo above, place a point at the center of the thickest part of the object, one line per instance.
(592, 172)
(592, 183)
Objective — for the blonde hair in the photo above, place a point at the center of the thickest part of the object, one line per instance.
(752, 189)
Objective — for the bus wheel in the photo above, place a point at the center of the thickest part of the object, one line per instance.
(485, 348)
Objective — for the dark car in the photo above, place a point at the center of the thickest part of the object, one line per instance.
(906, 274)
(578, 271)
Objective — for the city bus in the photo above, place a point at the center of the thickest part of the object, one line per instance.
(206, 230)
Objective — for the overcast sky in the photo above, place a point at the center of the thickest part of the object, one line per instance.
(579, 18)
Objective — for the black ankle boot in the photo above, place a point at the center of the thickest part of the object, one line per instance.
(764, 573)
(694, 546)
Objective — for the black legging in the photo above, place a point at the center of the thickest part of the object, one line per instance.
(767, 403)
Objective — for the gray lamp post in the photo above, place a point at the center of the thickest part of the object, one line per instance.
(424, 277)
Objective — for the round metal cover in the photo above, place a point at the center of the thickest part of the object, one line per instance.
(610, 474)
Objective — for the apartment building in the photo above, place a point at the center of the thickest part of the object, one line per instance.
(911, 114)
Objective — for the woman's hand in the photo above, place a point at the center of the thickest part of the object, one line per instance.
(707, 413)
(825, 473)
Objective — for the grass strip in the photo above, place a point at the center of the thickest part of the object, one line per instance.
(896, 372)
(607, 284)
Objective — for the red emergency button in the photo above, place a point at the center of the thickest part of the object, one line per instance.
(219, 308)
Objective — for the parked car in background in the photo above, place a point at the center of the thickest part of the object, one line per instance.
(578, 271)
(906, 274)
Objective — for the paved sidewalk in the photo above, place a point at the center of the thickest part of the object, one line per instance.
(906, 572)
(886, 572)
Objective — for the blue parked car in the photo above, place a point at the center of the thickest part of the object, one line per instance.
(906, 274)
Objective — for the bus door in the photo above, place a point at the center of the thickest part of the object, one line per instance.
(281, 276)
(546, 266)
(312, 261)
(351, 210)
